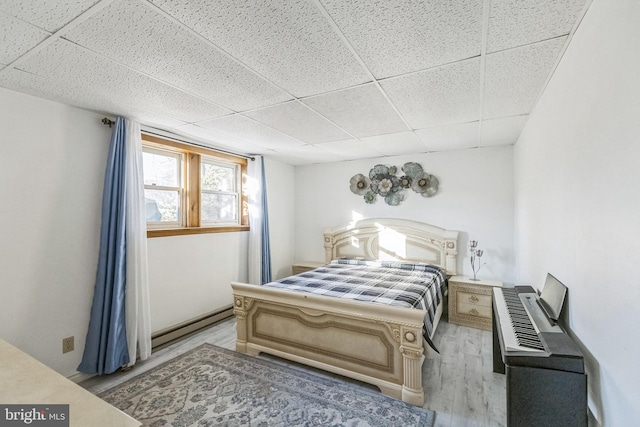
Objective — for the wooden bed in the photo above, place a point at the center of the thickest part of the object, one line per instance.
(378, 344)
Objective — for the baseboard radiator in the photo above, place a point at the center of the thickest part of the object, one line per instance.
(187, 327)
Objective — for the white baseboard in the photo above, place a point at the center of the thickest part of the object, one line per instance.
(169, 334)
(172, 333)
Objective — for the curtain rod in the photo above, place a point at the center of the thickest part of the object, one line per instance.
(109, 122)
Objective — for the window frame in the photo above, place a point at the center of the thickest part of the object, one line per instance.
(192, 223)
(181, 174)
(237, 186)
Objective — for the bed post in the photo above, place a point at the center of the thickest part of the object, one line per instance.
(412, 358)
(328, 247)
(240, 311)
(451, 252)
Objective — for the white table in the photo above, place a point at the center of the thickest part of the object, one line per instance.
(24, 380)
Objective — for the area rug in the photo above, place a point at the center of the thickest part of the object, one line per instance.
(212, 386)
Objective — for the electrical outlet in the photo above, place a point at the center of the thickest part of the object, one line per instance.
(67, 345)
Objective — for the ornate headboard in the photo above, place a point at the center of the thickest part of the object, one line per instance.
(393, 239)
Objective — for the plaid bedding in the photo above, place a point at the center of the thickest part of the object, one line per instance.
(382, 282)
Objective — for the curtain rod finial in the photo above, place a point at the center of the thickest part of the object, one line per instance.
(108, 122)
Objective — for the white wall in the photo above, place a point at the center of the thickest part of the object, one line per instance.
(191, 275)
(52, 171)
(578, 200)
(475, 197)
(52, 166)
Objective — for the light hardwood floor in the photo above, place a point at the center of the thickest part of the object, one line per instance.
(459, 383)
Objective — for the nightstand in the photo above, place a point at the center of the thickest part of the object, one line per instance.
(470, 301)
(301, 267)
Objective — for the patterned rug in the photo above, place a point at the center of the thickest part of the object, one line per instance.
(212, 386)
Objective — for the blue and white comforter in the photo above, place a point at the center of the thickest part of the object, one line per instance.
(400, 284)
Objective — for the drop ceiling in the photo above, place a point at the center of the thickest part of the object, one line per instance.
(299, 81)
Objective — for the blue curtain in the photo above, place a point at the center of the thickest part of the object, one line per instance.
(106, 349)
(266, 247)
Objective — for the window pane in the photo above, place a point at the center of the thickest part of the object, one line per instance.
(218, 207)
(217, 178)
(162, 205)
(162, 170)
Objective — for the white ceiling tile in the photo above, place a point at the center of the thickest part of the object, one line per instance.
(453, 137)
(514, 78)
(297, 120)
(281, 78)
(519, 22)
(139, 37)
(439, 96)
(49, 88)
(246, 129)
(398, 37)
(395, 144)
(350, 149)
(215, 139)
(305, 155)
(502, 131)
(150, 118)
(291, 159)
(50, 15)
(17, 38)
(361, 111)
(289, 42)
(42, 87)
(86, 80)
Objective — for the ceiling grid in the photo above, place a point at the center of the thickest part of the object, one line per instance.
(300, 81)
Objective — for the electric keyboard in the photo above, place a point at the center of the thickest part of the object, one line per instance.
(546, 384)
(520, 315)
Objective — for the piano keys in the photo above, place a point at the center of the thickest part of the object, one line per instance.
(546, 382)
(522, 335)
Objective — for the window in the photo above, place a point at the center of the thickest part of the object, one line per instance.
(163, 187)
(219, 196)
(190, 190)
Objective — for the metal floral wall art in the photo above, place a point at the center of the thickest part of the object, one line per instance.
(384, 181)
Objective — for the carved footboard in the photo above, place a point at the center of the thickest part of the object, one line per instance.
(378, 344)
